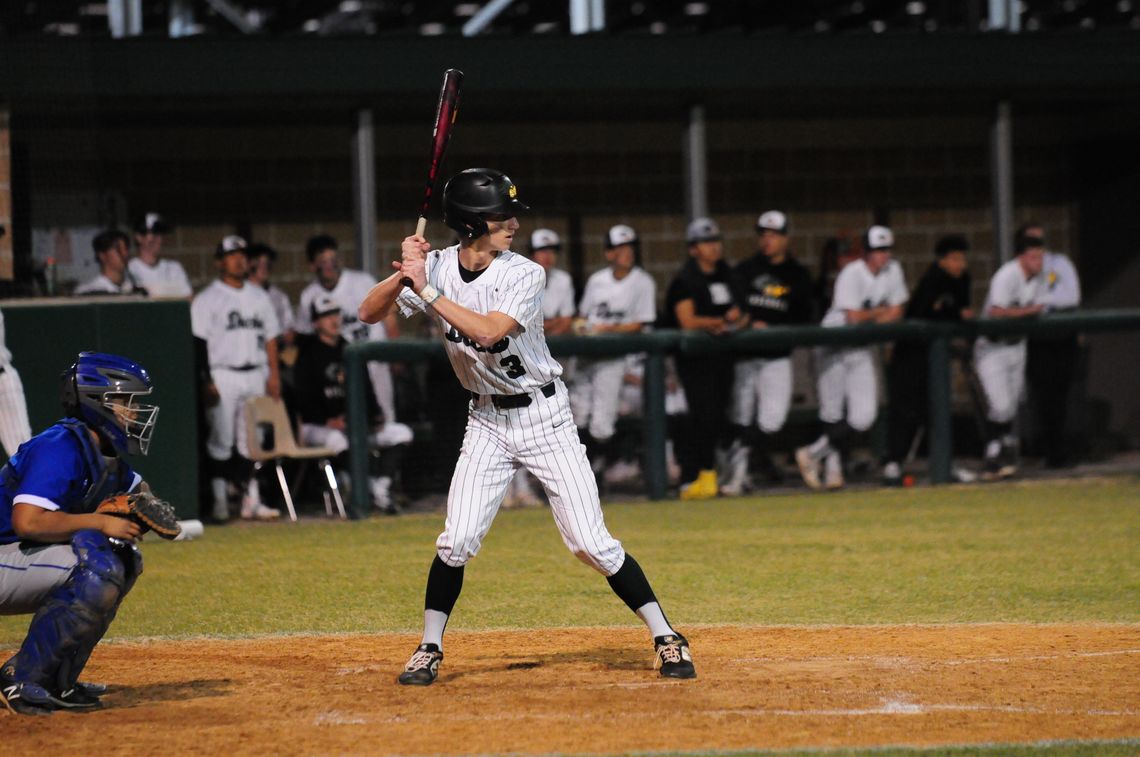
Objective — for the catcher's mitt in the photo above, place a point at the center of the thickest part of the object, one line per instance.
(144, 508)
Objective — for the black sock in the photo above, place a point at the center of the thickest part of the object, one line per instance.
(631, 585)
(443, 586)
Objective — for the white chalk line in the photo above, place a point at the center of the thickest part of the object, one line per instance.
(905, 660)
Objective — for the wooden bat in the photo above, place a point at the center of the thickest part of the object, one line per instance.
(445, 114)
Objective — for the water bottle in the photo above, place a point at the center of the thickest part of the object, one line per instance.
(49, 277)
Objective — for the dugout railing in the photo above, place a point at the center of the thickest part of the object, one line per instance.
(656, 345)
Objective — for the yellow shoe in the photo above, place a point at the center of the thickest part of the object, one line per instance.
(705, 487)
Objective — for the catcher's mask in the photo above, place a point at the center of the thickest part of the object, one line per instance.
(101, 390)
(473, 196)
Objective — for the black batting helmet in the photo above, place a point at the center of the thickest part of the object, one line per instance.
(472, 196)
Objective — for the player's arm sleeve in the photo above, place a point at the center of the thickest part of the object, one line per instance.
(587, 302)
(566, 296)
(50, 472)
(1070, 286)
(202, 360)
(182, 286)
(200, 318)
(803, 301)
(272, 324)
(846, 295)
(921, 303)
(522, 299)
(898, 293)
(1002, 289)
(645, 310)
(302, 324)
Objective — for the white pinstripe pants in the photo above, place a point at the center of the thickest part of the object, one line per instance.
(543, 439)
(14, 426)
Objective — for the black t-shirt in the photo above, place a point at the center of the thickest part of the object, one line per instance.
(937, 296)
(711, 293)
(778, 294)
(318, 376)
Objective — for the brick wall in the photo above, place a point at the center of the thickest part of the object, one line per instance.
(282, 183)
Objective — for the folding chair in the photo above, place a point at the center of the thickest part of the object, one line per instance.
(268, 413)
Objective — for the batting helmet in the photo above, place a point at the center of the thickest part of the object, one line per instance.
(472, 196)
(100, 389)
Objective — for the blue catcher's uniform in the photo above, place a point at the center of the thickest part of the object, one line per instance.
(73, 588)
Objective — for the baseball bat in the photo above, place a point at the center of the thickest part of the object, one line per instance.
(445, 114)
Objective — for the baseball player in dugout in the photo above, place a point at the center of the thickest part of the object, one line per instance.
(619, 299)
(348, 287)
(318, 377)
(60, 561)
(488, 301)
(942, 294)
(1015, 292)
(261, 260)
(1052, 361)
(235, 339)
(159, 276)
(111, 252)
(776, 290)
(869, 290)
(701, 298)
(14, 426)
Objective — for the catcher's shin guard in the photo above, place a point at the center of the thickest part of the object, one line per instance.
(74, 617)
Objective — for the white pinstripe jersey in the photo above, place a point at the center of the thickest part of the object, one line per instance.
(558, 301)
(5, 355)
(512, 285)
(236, 324)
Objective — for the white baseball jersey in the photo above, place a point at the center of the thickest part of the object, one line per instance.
(236, 324)
(558, 301)
(282, 307)
(350, 290)
(857, 288)
(608, 300)
(1000, 364)
(103, 285)
(1060, 285)
(513, 285)
(14, 426)
(166, 278)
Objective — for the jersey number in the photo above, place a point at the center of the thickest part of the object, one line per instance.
(513, 365)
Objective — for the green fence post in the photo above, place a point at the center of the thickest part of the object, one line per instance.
(938, 416)
(356, 384)
(654, 397)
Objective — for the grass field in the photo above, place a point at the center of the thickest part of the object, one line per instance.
(1040, 552)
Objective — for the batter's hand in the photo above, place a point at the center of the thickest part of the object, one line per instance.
(414, 246)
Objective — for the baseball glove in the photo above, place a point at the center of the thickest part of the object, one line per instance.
(144, 508)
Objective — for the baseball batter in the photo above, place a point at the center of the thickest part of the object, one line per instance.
(60, 561)
(159, 276)
(619, 299)
(1015, 292)
(235, 330)
(488, 301)
(14, 426)
(776, 290)
(869, 290)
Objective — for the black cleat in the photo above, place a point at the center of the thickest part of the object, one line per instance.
(26, 698)
(422, 669)
(673, 658)
(91, 689)
(77, 698)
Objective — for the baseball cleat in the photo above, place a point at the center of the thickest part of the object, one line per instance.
(258, 511)
(91, 689)
(672, 657)
(703, 487)
(77, 699)
(26, 698)
(422, 669)
(809, 468)
(833, 472)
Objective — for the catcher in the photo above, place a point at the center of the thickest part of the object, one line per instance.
(67, 542)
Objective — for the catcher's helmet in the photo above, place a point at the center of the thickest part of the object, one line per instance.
(471, 196)
(100, 389)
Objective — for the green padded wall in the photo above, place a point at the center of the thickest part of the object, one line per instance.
(44, 337)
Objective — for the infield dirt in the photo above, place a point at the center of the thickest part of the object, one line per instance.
(594, 691)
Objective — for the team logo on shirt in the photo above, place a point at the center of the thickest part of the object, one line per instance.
(769, 292)
(603, 311)
(235, 320)
(454, 336)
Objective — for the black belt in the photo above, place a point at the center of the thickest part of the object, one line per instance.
(2, 369)
(507, 401)
(250, 367)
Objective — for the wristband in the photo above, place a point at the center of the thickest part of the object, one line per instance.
(429, 294)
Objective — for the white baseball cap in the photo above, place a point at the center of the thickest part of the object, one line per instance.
(772, 220)
(619, 235)
(231, 243)
(879, 238)
(702, 230)
(541, 239)
(323, 305)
